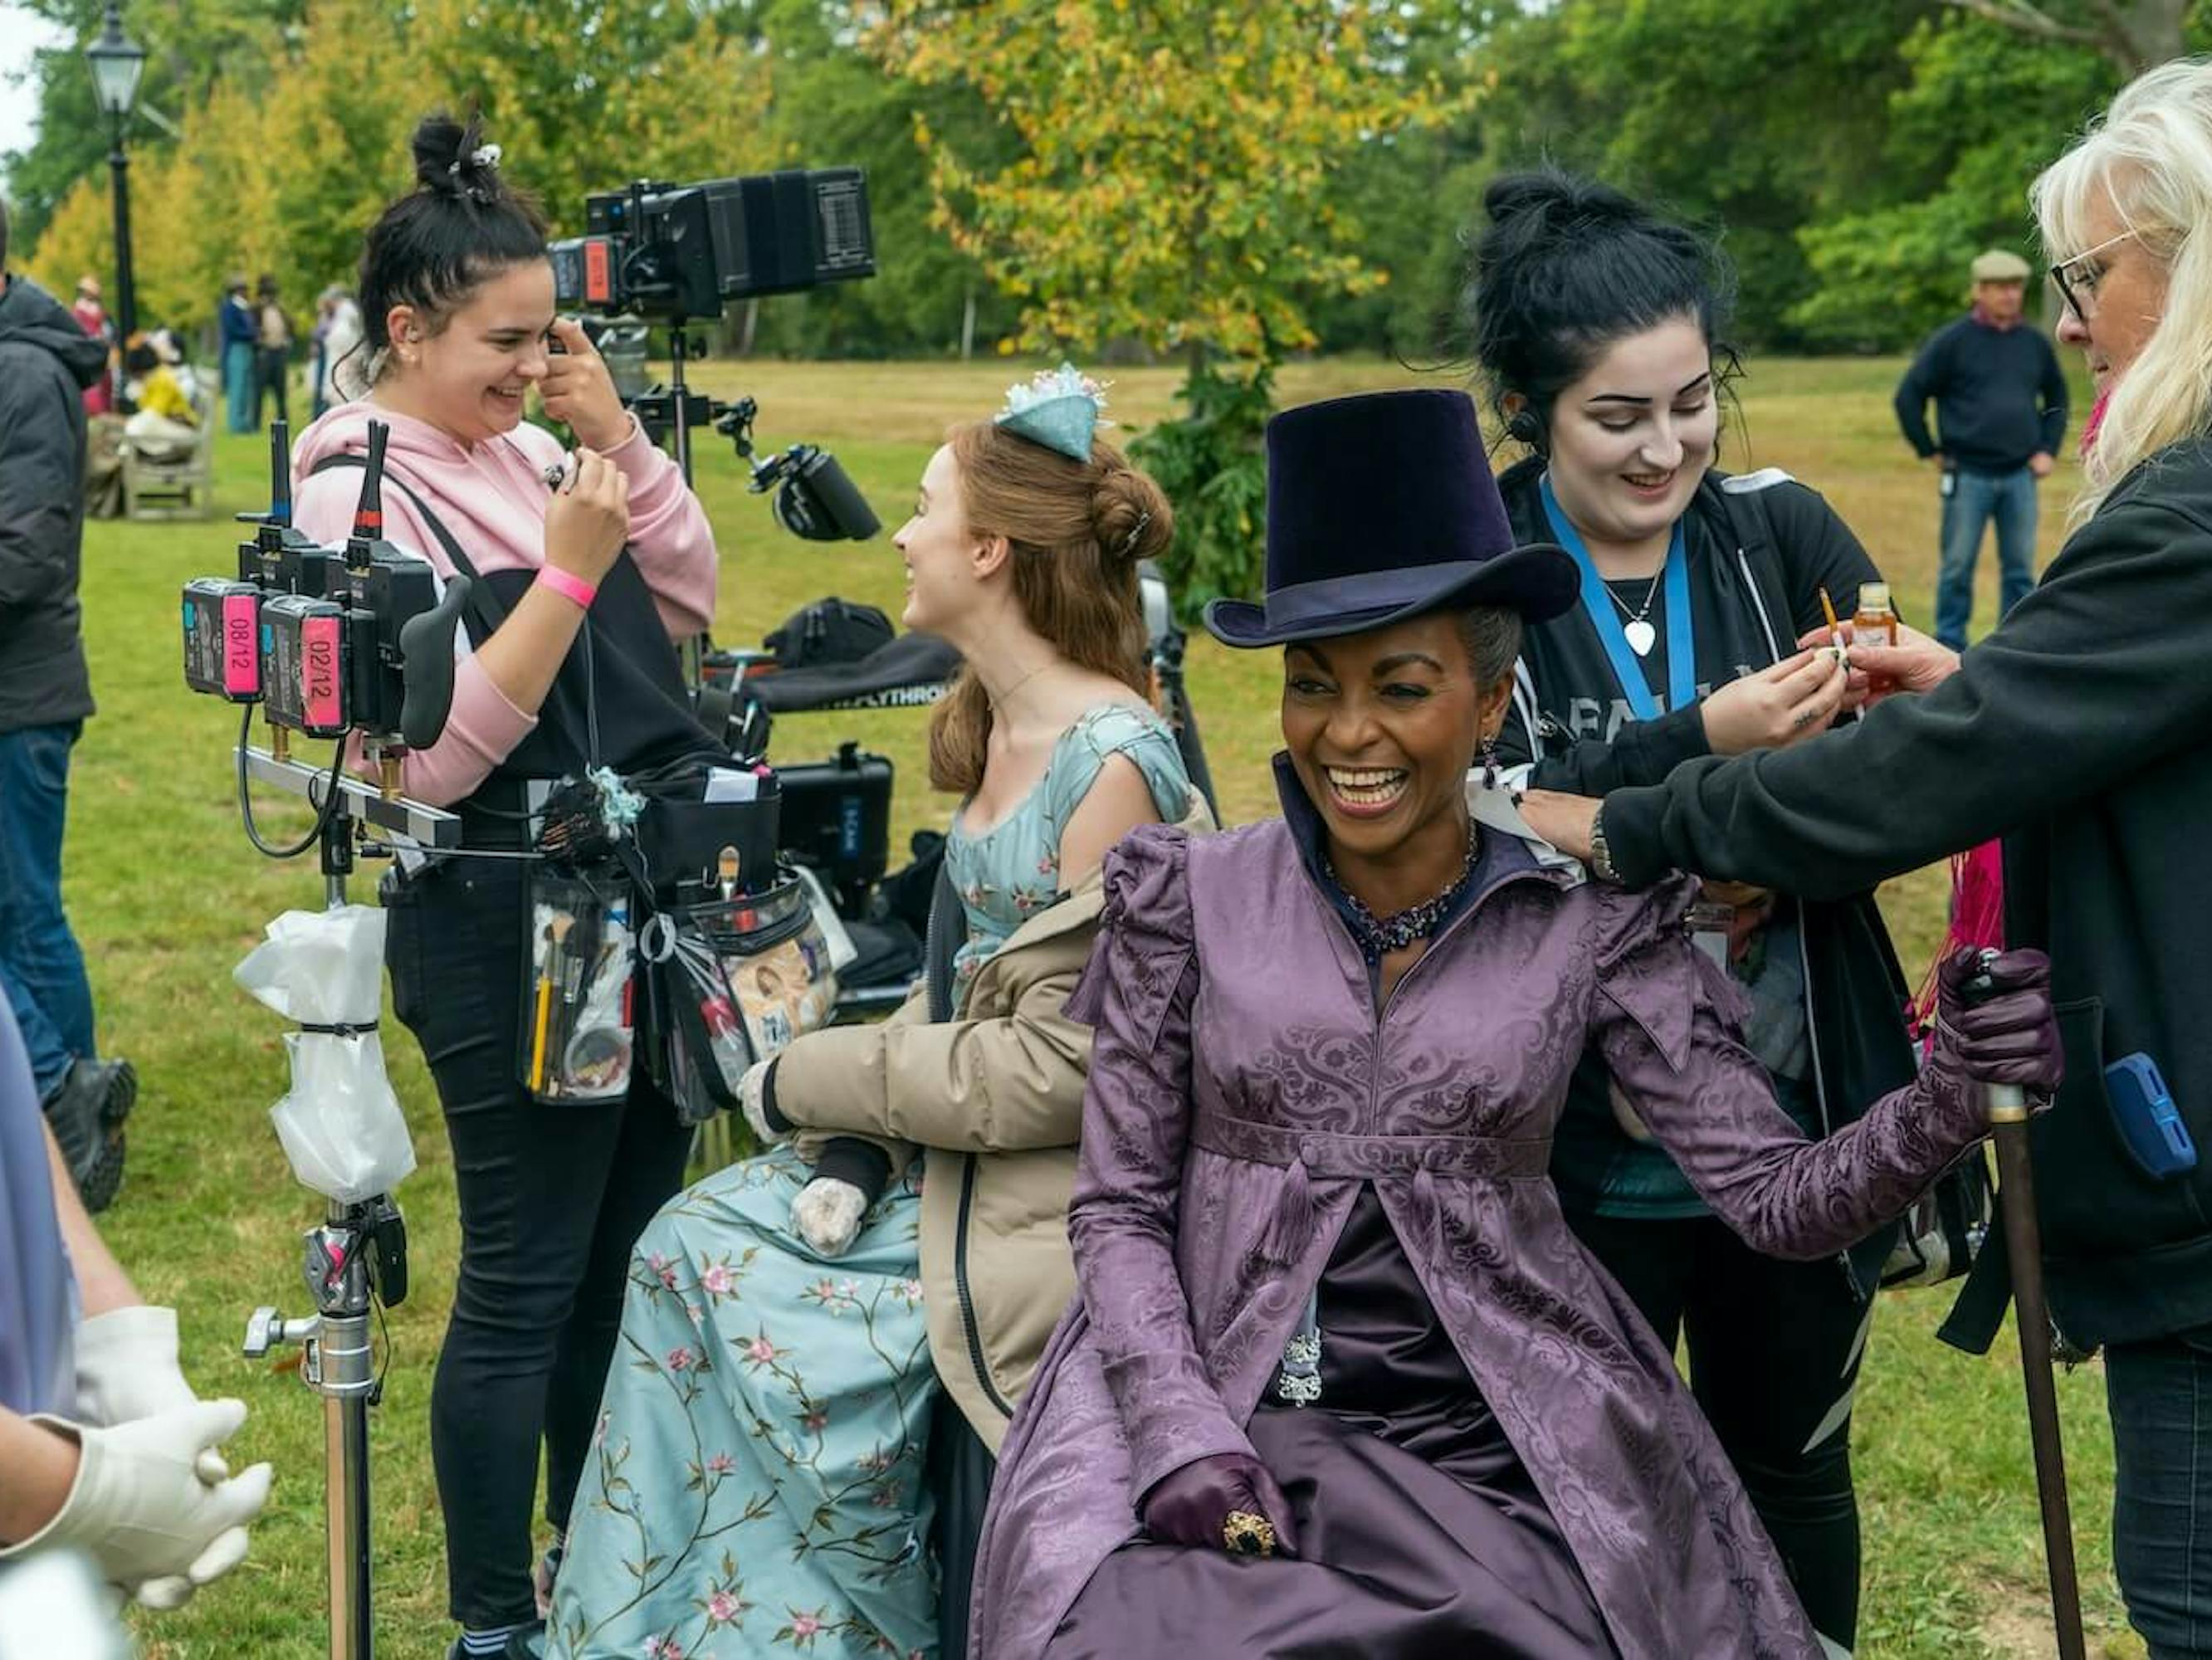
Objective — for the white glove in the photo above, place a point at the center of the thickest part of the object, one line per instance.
(126, 1370)
(126, 1366)
(752, 1099)
(827, 1215)
(140, 1510)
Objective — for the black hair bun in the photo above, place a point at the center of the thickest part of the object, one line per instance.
(1557, 203)
(451, 159)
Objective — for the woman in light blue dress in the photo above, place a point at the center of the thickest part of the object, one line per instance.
(801, 1326)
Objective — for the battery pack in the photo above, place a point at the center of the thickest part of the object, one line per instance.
(304, 664)
(222, 647)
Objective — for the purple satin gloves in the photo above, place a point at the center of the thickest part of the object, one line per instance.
(1190, 1506)
(2009, 1038)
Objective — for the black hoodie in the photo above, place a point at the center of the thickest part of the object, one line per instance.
(2080, 731)
(45, 363)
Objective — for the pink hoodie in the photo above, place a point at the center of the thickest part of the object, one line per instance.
(492, 498)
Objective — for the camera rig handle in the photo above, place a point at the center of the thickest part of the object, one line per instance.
(426, 648)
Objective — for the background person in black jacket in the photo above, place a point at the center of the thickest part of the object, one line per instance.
(2000, 413)
(46, 362)
(2081, 731)
(1595, 324)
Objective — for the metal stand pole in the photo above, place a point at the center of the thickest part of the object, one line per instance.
(127, 287)
(679, 348)
(355, 1259)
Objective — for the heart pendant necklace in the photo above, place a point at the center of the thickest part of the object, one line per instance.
(1638, 631)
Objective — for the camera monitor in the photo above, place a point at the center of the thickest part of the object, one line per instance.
(688, 250)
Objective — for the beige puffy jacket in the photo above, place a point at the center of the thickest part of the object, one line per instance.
(995, 1098)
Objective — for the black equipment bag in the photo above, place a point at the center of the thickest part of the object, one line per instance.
(831, 630)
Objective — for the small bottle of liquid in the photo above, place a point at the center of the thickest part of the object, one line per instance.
(1873, 623)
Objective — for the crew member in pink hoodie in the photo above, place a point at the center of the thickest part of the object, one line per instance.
(456, 297)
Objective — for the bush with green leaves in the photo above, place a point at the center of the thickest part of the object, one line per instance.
(1212, 463)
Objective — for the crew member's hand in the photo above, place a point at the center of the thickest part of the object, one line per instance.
(2009, 1037)
(126, 1366)
(1564, 821)
(1793, 699)
(1915, 663)
(578, 393)
(587, 521)
(2041, 464)
(140, 1510)
(1188, 1507)
(827, 1214)
(126, 1370)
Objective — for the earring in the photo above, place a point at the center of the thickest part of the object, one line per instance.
(1490, 763)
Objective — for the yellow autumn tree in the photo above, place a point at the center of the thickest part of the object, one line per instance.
(1176, 156)
(282, 173)
(1171, 185)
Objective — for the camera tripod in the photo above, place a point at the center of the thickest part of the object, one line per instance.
(356, 1260)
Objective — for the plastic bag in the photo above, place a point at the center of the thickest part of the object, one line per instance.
(731, 981)
(340, 1125)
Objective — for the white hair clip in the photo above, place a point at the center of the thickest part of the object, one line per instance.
(485, 156)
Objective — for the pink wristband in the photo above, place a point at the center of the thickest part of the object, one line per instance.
(567, 585)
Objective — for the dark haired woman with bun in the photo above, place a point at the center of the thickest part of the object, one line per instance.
(457, 299)
(1597, 327)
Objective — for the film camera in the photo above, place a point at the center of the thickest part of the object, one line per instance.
(675, 253)
(683, 251)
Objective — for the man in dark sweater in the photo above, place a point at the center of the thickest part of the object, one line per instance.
(2000, 413)
(45, 362)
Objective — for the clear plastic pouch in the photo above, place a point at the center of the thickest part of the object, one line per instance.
(577, 1039)
(732, 980)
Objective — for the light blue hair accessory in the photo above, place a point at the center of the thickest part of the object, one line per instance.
(1059, 409)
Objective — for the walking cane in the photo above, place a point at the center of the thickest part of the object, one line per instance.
(2007, 1111)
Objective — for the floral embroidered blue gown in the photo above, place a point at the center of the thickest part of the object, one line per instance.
(757, 1484)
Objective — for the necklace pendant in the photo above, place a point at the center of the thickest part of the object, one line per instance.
(1642, 636)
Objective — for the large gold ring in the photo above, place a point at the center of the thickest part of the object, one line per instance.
(1245, 1533)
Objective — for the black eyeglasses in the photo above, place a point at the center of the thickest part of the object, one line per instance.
(2081, 286)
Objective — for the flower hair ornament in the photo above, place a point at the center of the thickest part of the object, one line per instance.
(484, 157)
(1059, 409)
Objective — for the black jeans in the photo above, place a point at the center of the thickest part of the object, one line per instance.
(272, 373)
(2160, 1395)
(1774, 1362)
(551, 1197)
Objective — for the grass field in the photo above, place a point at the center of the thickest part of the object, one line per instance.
(167, 897)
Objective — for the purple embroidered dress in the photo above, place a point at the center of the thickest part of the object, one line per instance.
(1503, 1460)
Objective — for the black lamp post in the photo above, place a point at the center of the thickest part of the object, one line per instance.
(117, 61)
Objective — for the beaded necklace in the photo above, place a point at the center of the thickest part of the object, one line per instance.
(1379, 936)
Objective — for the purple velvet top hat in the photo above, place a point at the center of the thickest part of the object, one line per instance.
(1380, 507)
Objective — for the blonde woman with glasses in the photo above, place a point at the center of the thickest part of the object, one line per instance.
(2080, 731)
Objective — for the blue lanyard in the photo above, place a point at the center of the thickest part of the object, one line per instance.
(1605, 617)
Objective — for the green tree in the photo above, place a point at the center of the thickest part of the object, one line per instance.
(1760, 116)
(832, 104)
(190, 46)
(1171, 186)
(281, 170)
(1980, 116)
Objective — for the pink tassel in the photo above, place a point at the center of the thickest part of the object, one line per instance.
(1293, 1222)
(1976, 919)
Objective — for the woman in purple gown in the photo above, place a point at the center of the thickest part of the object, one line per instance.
(1339, 1380)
